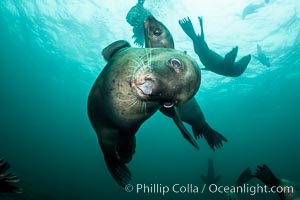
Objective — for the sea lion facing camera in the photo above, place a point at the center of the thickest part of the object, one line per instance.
(133, 85)
(158, 35)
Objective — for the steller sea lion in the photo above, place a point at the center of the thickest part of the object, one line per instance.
(265, 174)
(210, 178)
(134, 84)
(158, 35)
(210, 59)
(261, 56)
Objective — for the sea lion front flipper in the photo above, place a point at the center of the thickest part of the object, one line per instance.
(7, 179)
(191, 113)
(117, 154)
(265, 174)
(114, 47)
(230, 56)
(187, 27)
(212, 137)
(245, 176)
(200, 19)
(125, 150)
(118, 170)
(173, 113)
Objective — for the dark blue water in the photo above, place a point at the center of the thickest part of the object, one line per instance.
(50, 56)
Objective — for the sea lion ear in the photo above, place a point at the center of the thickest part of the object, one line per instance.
(185, 52)
(113, 48)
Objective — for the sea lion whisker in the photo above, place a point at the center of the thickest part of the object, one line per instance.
(129, 77)
(144, 106)
(141, 106)
(139, 58)
(132, 104)
(148, 56)
(145, 69)
(139, 64)
(127, 100)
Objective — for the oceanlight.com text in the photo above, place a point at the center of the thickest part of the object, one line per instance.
(212, 188)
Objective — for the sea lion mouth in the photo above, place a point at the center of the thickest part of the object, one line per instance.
(168, 104)
(146, 87)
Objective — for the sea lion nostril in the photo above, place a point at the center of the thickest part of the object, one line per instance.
(146, 87)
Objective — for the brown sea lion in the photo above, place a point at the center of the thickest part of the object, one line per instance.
(158, 35)
(133, 85)
(210, 59)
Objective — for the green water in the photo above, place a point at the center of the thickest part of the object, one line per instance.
(50, 56)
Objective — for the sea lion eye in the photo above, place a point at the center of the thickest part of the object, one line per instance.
(157, 32)
(175, 64)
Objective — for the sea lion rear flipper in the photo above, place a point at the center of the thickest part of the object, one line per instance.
(114, 47)
(173, 113)
(245, 176)
(230, 56)
(241, 65)
(187, 27)
(212, 137)
(119, 171)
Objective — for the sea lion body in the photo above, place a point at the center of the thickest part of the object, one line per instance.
(133, 85)
(212, 60)
(261, 56)
(210, 178)
(251, 8)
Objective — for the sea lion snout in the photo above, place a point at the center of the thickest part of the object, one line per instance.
(146, 87)
(157, 35)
